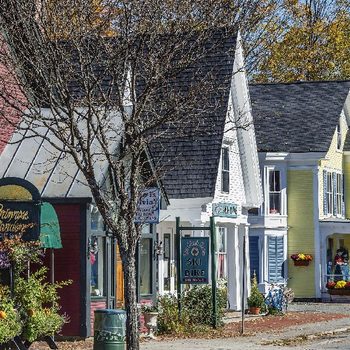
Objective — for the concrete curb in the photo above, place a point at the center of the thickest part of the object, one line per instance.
(305, 337)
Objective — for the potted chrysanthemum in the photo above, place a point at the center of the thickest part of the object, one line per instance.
(301, 259)
(338, 288)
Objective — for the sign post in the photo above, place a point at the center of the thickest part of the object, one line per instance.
(213, 271)
(178, 265)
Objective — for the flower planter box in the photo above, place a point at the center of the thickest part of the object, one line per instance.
(339, 291)
(301, 263)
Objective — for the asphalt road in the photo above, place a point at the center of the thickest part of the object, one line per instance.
(288, 339)
(339, 341)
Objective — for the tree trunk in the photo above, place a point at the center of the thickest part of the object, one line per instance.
(130, 292)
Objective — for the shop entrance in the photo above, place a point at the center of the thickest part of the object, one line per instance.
(147, 264)
(338, 257)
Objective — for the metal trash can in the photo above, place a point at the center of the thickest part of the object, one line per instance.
(109, 329)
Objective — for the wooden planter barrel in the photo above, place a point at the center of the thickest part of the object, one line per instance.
(301, 262)
(339, 291)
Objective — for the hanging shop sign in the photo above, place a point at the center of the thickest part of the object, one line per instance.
(194, 260)
(225, 210)
(19, 209)
(148, 206)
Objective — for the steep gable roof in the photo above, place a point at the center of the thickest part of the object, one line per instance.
(190, 159)
(297, 117)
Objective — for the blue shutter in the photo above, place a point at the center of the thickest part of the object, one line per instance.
(254, 257)
(334, 182)
(275, 259)
(325, 201)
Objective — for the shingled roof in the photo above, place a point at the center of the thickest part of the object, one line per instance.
(297, 117)
(190, 161)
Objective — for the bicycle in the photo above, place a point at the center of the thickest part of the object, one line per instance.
(278, 297)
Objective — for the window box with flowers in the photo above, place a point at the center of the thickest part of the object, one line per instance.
(301, 259)
(338, 288)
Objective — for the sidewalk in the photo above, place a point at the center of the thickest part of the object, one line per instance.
(266, 340)
(262, 340)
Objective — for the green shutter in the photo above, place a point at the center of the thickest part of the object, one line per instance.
(50, 235)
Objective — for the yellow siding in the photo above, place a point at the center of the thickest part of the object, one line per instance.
(333, 160)
(301, 231)
(347, 188)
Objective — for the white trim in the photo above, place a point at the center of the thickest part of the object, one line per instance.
(275, 157)
(317, 245)
(330, 213)
(283, 190)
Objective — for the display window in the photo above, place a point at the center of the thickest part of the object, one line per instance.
(97, 255)
(97, 261)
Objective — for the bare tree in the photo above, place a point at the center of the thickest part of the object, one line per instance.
(106, 78)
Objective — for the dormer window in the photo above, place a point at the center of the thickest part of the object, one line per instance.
(225, 170)
(338, 137)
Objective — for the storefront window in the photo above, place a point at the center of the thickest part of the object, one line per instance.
(146, 266)
(97, 261)
(337, 260)
(97, 254)
(166, 261)
(96, 219)
(221, 248)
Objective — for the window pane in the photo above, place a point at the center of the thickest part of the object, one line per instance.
(146, 229)
(222, 266)
(225, 159)
(146, 266)
(96, 219)
(222, 240)
(221, 249)
(275, 181)
(275, 203)
(225, 181)
(329, 182)
(97, 262)
(166, 261)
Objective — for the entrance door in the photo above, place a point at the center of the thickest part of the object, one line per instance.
(167, 258)
(147, 264)
(168, 268)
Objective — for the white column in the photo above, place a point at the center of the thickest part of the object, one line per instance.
(234, 281)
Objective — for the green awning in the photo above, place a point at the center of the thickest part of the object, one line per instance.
(50, 235)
